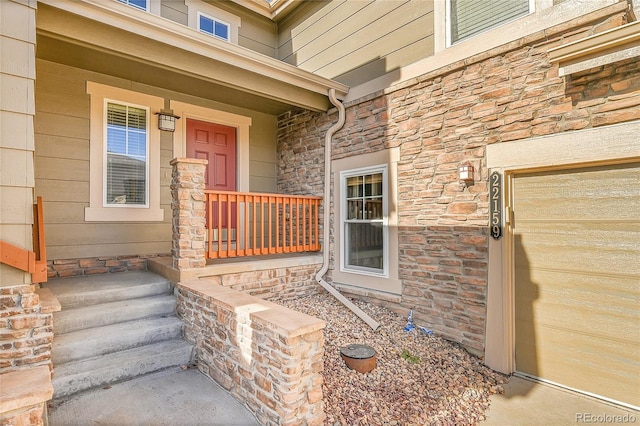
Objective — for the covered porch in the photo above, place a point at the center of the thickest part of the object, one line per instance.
(89, 53)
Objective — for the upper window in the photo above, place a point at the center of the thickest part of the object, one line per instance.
(364, 213)
(126, 171)
(209, 19)
(212, 26)
(140, 4)
(470, 17)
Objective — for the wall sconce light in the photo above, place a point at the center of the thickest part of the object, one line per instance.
(167, 121)
(466, 172)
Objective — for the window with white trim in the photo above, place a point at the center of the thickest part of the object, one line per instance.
(212, 26)
(467, 18)
(211, 20)
(364, 220)
(124, 156)
(126, 171)
(139, 4)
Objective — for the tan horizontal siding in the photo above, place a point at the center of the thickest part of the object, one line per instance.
(259, 35)
(62, 169)
(73, 105)
(325, 22)
(393, 60)
(47, 123)
(65, 234)
(175, 11)
(98, 250)
(62, 147)
(371, 38)
(62, 191)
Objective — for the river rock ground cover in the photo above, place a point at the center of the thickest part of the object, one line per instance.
(420, 379)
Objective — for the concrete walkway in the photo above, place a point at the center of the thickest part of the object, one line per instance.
(526, 402)
(188, 398)
(169, 397)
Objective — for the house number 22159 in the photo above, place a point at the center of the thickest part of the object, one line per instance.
(495, 202)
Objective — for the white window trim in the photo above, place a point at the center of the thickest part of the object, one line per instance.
(370, 283)
(104, 156)
(97, 210)
(344, 175)
(240, 122)
(197, 7)
(214, 19)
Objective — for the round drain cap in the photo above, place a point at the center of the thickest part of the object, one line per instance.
(361, 358)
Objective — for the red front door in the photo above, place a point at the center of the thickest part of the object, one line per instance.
(217, 144)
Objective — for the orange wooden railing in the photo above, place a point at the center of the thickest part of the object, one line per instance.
(34, 262)
(250, 224)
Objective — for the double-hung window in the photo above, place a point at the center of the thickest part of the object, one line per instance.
(126, 177)
(470, 17)
(212, 26)
(124, 156)
(364, 213)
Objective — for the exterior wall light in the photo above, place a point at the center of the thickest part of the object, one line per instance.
(466, 172)
(167, 121)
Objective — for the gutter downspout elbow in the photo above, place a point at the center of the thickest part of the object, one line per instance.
(327, 197)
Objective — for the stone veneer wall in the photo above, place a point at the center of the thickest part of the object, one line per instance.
(267, 356)
(26, 329)
(282, 283)
(442, 119)
(62, 268)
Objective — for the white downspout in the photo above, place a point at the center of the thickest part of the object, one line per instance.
(327, 194)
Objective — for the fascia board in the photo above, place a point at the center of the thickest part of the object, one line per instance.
(166, 31)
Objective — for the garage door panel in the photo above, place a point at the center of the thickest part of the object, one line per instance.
(565, 357)
(559, 196)
(608, 246)
(613, 293)
(577, 278)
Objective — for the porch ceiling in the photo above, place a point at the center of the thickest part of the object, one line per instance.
(158, 52)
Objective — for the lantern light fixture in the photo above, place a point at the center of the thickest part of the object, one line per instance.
(167, 121)
(466, 172)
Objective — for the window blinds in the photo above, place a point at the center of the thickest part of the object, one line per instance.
(470, 17)
(126, 171)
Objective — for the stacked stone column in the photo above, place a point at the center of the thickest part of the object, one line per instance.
(188, 205)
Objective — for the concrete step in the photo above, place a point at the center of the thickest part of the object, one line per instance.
(70, 320)
(91, 290)
(98, 341)
(89, 373)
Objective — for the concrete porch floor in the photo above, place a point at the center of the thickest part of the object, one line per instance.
(168, 397)
(527, 402)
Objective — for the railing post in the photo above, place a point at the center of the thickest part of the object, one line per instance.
(188, 203)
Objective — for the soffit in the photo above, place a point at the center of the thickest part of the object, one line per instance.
(87, 34)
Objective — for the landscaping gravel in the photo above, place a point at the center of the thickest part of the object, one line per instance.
(420, 379)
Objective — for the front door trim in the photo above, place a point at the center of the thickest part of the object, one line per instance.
(240, 122)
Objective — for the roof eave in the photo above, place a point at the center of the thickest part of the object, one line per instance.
(169, 32)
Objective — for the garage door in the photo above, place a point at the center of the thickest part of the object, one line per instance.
(577, 279)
